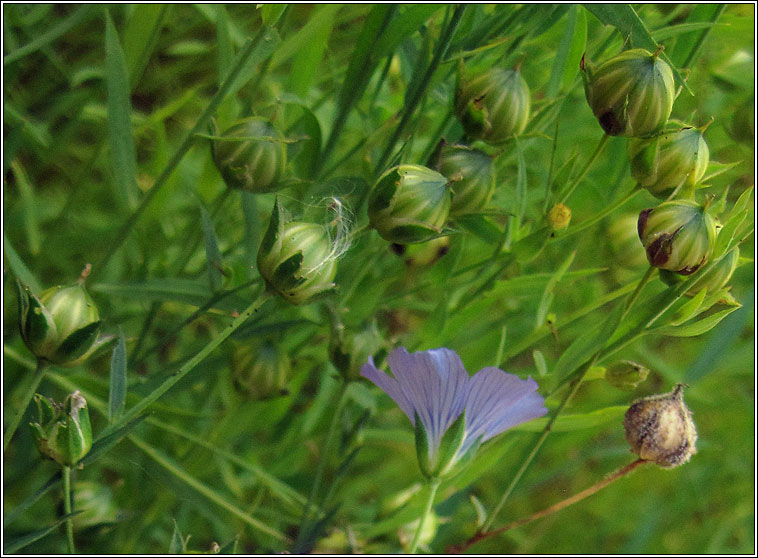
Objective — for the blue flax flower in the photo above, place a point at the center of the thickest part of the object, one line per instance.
(453, 413)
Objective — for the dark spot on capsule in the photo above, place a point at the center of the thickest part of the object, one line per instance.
(610, 123)
(659, 250)
(442, 251)
(398, 249)
(642, 220)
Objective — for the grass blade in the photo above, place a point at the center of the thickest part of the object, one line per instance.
(119, 119)
(18, 267)
(117, 387)
(212, 252)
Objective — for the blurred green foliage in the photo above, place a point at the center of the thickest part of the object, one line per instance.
(98, 100)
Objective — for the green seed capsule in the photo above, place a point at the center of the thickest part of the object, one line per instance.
(61, 326)
(255, 164)
(677, 235)
(260, 373)
(409, 204)
(625, 243)
(717, 277)
(631, 94)
(63, 432)
(493, 106)
(297, 260)
(660, 429)
(472, 175)
(677, 157)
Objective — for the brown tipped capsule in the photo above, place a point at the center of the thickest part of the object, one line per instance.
(659, 428)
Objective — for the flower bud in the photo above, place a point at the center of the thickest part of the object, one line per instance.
(626, 375)
(348, 352)
(677, 235)
(631, 94)
(559, 217)
(63, 432)
(61, 326)
(409, 204)
(260, 373)
(256, 161)
(493, 106)
(659, 428)
(677, 157)
(298, 260)
(472, 175)
(625, 243)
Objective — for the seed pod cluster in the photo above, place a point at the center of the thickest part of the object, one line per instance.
(660, 429)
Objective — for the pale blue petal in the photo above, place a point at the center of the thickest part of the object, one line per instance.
(389, 385)
(498, 401)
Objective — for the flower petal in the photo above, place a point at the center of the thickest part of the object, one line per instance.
(389, 385)
(498, 401)
(435, 382)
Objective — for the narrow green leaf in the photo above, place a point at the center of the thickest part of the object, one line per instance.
(565, 63)
(13, 546)
(480, 226)
(186, 291)
(225, 48)
(625, 19)
(140, 38)
(697, 328)
(539, 362)
(18, 267)
(547, 294)
(79, 16)
(481, 512)
(569, 423)
(688, 310)
(520, 184)
(212, 252)
(117, 387)
(178, 543)
(671, 31)
(307, 60)
(270, 13)
(119, 119)
(29, 203)
(688, 46)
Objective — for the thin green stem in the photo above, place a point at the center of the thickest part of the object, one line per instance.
(415, 97)
(31, 390)
(177, 376)
(242, 61)
(576, 382)
(625, 470)
(67, 509)
(434, 484)
(323, 457)
(586, 169)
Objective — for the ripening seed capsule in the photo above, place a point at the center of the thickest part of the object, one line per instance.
(255, 164)
(472, 174)
(61, 326)
(677, 235)
(659, 428)
(677, 157)
(260, 373)
(625, 243)
(423, 254)
(631, 94)
(717, 277)
(493, 106)
(63, 431)
(297, 260)
(409, 204)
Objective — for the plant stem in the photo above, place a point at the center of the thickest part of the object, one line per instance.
(434, 484)
(585, 170)
(342, 399)
(67, 509)
(571, 392)
(36, 379)
(177, 376)
(625, 470)
(242, 61)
